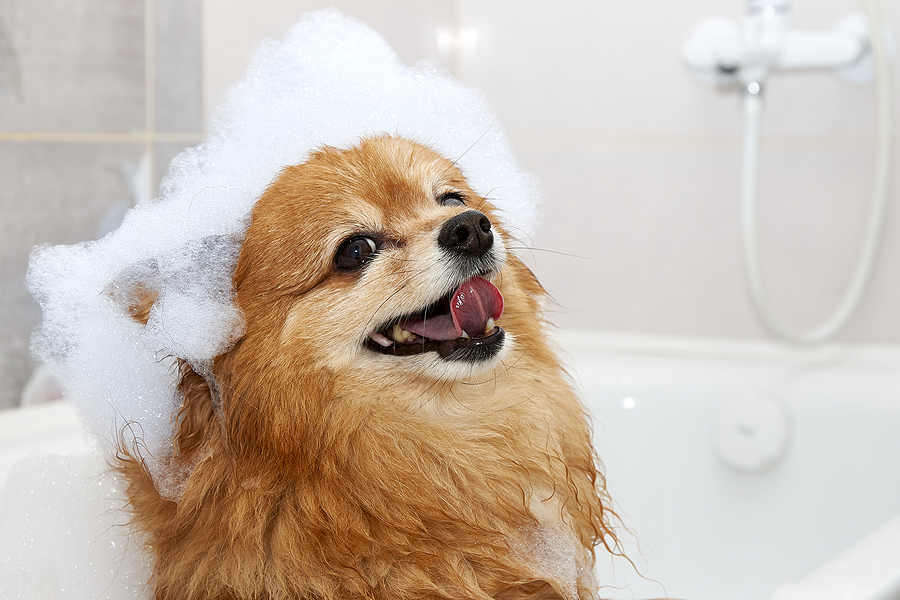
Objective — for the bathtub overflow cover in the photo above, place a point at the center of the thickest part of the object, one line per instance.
(752, 432)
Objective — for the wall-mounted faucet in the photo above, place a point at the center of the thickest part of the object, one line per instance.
(723, 52)
(727, 54)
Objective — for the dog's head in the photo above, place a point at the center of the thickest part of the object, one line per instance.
(374, 274)
(378, 257)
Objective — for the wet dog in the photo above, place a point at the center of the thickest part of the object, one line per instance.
(393, 423)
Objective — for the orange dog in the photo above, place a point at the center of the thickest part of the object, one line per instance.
(393, 424)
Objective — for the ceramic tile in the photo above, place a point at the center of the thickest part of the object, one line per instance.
(10, 70)
(53, 193)
(80, 65)
(575, 69)
(178, 66)
(813, 204)
(649, 236)
(637, 237)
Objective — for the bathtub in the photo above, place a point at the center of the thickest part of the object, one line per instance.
(740, 470)
(709, 525)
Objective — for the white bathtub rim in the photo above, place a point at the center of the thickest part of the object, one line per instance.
(572, 341)
(868, 570)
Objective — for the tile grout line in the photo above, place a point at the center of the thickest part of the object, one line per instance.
(100, 137)
(150, 93)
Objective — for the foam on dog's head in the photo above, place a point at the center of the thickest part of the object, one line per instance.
(330, 81)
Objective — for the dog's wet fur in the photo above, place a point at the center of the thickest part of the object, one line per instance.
(331, 461)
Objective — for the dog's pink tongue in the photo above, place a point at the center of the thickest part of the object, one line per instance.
(471, 305)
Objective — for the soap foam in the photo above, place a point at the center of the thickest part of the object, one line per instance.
(329, 81)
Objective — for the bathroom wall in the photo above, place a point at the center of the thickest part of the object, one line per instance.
(639, 162)
(96, 97)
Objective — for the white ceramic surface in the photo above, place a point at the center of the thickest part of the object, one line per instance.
(706, 530)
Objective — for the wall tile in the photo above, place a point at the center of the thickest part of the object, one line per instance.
(649, 236)
(577, 69)
(79, 63)
(631, 242)
(58, 193)
(10, 71)
(814, 200)
(178, 66)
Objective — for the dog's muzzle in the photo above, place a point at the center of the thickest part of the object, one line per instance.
(461, 324)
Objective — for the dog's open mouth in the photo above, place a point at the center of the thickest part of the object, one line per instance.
(459, 326)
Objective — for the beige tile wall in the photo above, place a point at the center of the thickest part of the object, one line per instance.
(640, 163)
(641, 166)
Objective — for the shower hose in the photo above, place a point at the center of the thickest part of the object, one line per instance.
(874, 225)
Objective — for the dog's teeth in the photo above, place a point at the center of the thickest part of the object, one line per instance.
(464, 334)
(490, 326)
(399, 334)
(380, 339)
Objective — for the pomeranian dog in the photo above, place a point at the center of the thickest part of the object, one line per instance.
(393, 423)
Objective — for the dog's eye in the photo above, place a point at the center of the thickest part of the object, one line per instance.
(355, 252)
(452, 199)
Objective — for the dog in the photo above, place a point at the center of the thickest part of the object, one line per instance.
(393, 423)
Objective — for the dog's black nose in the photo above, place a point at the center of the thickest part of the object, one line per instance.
(468, 233)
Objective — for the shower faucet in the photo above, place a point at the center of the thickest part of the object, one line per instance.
(859, 49)
(722, 52)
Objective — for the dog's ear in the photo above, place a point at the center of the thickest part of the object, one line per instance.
(140, 303)
(136, 292)
(197, 416)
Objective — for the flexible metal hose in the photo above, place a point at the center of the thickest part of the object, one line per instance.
(874, 226)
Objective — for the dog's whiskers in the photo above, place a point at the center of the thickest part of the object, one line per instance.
(480, 137)
(484, 199)
(386, 300)
(547, 250)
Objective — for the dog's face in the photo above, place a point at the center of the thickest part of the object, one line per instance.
(379, 257)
